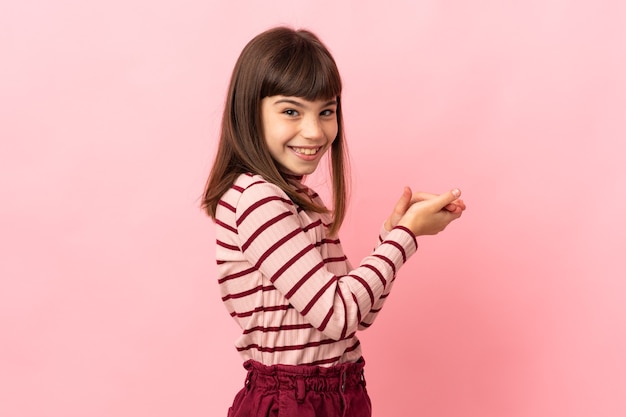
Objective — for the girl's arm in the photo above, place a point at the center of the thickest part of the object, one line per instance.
(272, 239)
(368, 320)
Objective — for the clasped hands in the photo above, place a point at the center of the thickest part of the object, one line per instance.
(425, 213)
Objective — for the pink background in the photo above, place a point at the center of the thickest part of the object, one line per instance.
(109, 113)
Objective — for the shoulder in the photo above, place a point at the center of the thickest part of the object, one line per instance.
(254, 185)
(252, 190)
(249, 181)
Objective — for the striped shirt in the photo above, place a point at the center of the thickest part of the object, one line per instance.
(289, 285)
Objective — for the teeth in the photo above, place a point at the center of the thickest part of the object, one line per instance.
(306, 151)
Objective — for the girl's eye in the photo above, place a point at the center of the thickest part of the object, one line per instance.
(328, 112)
(290, 112)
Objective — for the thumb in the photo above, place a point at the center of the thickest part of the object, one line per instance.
(399, 209)
(404, 202)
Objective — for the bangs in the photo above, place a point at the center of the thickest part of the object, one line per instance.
(302, 69)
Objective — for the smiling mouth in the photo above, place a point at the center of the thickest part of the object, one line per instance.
(306, 151)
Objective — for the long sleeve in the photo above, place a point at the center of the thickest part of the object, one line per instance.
(274, 241)
(369, 318)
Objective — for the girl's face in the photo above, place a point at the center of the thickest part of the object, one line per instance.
(298, 132)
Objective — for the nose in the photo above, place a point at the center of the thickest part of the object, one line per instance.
(311, 128)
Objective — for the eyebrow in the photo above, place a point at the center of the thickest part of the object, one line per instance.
(299, 104)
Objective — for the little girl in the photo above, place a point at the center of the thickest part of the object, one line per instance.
(282, 271)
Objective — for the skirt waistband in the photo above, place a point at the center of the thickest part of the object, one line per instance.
(304, 378)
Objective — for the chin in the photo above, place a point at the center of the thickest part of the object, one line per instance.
(307, 171)
(300, 170)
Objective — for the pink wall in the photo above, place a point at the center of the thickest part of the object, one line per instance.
(108, 117)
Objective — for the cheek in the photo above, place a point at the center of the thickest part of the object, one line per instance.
(331, 132)
(279, 131)
(273, 136)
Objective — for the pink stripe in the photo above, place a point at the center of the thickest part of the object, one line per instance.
(261, 308)
(225, 226)
(345, 315)
(398, 246)
(236, 275)
(326, 319)
(248, 292)
(378, 273)
(264, 227)
(302, 280)
(319, 293)
(225, 204)
(278, 328)
(226, 245)
(389, 261)
(353, 347)
(323, 361)
(286, 348)
(257, 183)
(358, 308)
(409, 232)
(277, 245)
(258, 204)
(329, 260)
(312, 225)
(364, 284)
(290, 262)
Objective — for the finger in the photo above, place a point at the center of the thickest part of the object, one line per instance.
(443, 200)
(456, 204)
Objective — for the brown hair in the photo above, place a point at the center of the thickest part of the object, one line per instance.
(279, 61)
